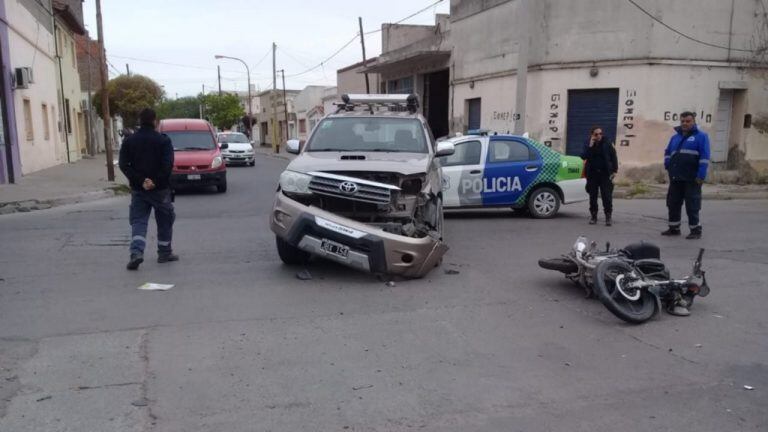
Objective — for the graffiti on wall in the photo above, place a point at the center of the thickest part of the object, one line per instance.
(628, 118)
(701, 117)
(554, 121)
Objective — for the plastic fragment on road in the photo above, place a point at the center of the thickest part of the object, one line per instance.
(304, 275)
(151, 286)
(747, 387)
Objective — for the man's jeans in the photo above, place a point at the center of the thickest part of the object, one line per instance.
(688, 192)
(142, 203)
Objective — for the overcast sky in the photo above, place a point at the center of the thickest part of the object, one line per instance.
(188, 33)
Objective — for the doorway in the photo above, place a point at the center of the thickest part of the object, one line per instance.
(588, 108)
(436, 100)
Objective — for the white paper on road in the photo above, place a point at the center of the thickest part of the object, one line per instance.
(151, 286)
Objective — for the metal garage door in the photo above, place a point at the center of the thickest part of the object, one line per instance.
(719, 148)
(587, 108)
(473, 106)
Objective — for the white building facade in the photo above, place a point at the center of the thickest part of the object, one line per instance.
(37, 108)
(593, 62)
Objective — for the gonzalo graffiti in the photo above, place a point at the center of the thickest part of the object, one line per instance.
(628, 117)
(700, 116)
(553, 122)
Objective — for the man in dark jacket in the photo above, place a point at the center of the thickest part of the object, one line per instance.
(686, 160)
(601, 166)
(146, 159)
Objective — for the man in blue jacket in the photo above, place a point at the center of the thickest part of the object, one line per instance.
(686, 160)
(146, 159)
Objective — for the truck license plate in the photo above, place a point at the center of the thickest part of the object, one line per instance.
(334, 248)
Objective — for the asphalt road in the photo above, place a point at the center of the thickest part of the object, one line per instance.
(240, 344)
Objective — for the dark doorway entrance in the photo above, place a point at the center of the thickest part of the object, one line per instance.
(587, 108)
(436, 99)
(473, 114)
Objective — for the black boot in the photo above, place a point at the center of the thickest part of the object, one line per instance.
(672, 231)
(608, 220)
(133, 263)
(593, 218)
(167, 257)
(695, 234)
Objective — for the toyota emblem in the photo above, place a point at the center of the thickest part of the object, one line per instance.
(348, 188)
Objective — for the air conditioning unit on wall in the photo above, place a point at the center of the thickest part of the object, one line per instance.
(22, 77)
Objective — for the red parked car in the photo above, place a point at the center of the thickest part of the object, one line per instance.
(197, 156)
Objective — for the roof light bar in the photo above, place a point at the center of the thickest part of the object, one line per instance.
(411, 101)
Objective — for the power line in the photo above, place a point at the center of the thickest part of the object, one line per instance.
(683, 34)
(326, 60)
(172, 64)
(420, 11)
(321, 64)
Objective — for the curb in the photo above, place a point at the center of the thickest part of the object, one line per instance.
(27, 206)
(269, 153)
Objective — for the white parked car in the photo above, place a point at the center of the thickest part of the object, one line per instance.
(238, 149)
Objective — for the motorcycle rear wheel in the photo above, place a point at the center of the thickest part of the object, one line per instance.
(634, 312)
(562, 265)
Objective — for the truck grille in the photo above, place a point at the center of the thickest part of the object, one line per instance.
(331, 185)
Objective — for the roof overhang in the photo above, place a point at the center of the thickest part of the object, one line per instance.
(411, 59)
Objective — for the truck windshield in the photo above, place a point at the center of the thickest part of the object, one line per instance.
(369, 134)
(191, 140)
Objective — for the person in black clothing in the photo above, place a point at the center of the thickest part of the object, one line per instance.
(146, 159)
(601, 167)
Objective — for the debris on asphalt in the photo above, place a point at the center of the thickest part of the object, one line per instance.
(747, 387)
(304, 275)
(367, 386)
(140, 403)
(699, 345)
(452, 272)
(45, 398)
(717, 316)
(391, 284)
(567, 363)
(151, 286)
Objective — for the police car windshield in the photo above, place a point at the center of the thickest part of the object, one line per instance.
(190, 140)
(369, 134)
(233, 138)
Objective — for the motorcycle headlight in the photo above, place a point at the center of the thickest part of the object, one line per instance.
(295, 182)
(216, 162)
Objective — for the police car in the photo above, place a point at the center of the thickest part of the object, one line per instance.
(510, 171)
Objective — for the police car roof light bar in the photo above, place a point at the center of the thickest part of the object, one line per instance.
(411, 101)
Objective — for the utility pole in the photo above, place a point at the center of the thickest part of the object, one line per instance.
(275, 144)
(202, 109)
(105, 98)
(89, 118)
(218, 67)
(285, 108)
(362, 42)
(128, 69)
(522, 66)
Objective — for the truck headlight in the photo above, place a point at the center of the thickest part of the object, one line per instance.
(295, 182)
(216, 162)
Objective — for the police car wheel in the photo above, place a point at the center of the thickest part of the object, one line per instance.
(543, 203)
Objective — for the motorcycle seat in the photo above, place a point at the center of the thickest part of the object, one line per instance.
(642, 250)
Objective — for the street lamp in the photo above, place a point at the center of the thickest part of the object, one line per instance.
(248, 72)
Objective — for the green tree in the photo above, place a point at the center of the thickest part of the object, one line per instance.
(128, 95)
(223, 111)
(184, 107)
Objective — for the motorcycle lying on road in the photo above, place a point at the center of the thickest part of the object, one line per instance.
(633, 283)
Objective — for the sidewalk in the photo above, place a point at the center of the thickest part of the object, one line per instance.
(267, 151)
(84, 180)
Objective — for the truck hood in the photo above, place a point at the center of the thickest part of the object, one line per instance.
(195, 157)
(402, 163)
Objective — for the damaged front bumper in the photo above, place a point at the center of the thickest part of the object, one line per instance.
(353, 243)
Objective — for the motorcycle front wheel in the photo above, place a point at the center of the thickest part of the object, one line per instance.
(609, 277)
